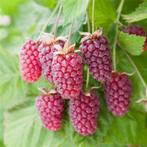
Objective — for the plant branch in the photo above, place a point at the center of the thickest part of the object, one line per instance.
(87, 78)
(93, 9)
(46, 24)
(66, 45)
(116, 32)
(136, 70)
(54, 30)
(88, 23)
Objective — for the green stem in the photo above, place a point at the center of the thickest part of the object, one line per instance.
(137, 71)
(46, 24)
(96, 87)
(87, 79)
(54, 30)
(93, 9)
(116, 32)
(88, 23)
(66, 45)
(87, 76)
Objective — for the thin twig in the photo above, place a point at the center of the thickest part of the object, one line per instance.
(88, 23)
(93, 9)
(135, 68)
(116, 33)
(137, 71)
(69, 36)
(54, 30)
(46, 24)
(87, 76)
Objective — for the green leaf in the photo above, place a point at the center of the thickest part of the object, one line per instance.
(73, 9)
(104, 13)
(23, 128)
(22, 120)
(127, 129)
(129, 6)
(132, 43)
(139, 14)
(11, 86)
(123, 130)
(46, 3)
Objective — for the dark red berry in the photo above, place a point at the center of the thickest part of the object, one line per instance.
(46, 51)
(67, 74)
(117, 93)
(29, 65)
(94, 48)
(83, 113)
(50, 108)
(45, 58)
(136, 30)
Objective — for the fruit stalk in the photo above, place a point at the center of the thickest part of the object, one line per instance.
(137, 71)
(46, 24)
(87, 78)
(116, 32)
(93, 6)
(87, 70)
(54, 30)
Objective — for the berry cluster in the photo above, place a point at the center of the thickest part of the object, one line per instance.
(63, 68)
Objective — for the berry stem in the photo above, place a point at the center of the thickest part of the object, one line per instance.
(98, 87)
(68, 40)
(42, 90)
(46, 24)
(77, 51)
(116, 32)
(88, 23)
(137, 71)
(54, 30)
(93, 9)
(87, 78)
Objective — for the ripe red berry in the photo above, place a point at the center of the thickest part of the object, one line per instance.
(136, 30)
(29, 65)
(46, 50)
(94, 48)
(117, 93)
(50, 108)
(67, 74)
(83, 113)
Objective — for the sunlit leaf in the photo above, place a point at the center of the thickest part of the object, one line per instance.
(73, 9)
(139, 14)
(104, 13)
(132, 43)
